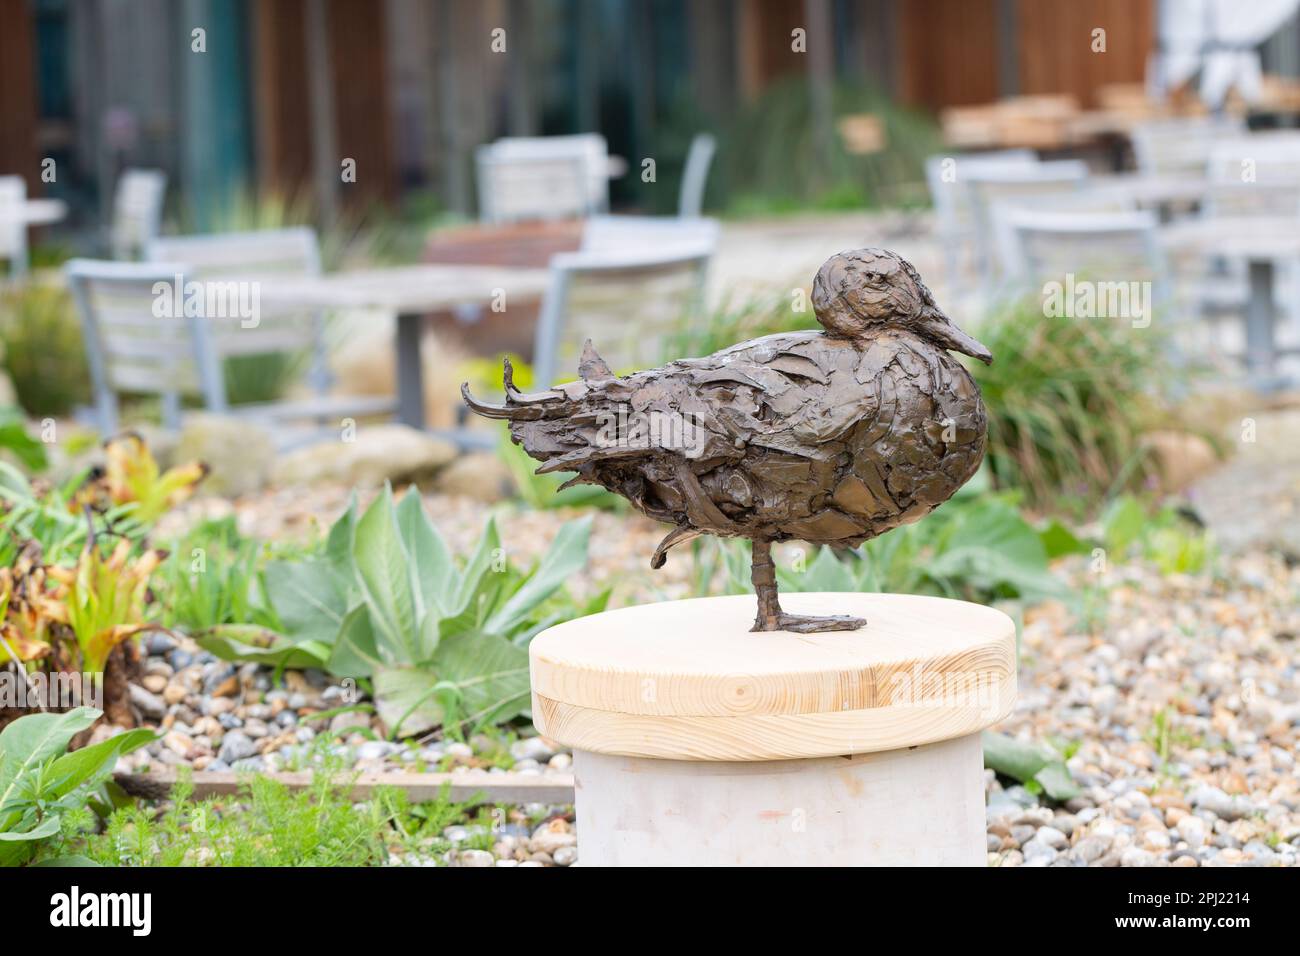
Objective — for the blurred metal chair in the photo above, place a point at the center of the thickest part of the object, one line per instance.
(1181, 147)
(690, 202)
(1111, 251)
(633, 281)
(1254, 176)
(136, 343)
(993, 188)
(946, 178)
(255, 257)
(543, 178)
(13, 227)
(137, 212)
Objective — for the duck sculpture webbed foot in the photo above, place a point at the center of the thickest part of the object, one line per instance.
(808, 623)
(771, 617)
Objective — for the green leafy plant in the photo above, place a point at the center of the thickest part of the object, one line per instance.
(772, 157)
(442, 643)
(101, 600)
(212, 577)
(1041, 768)
(1166, 538)
(1068, 401)
(976, 546)
(43, 788)
(268, 824)
(15, 439)
(43, 352)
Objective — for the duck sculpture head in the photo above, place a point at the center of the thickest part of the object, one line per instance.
(830, 437)
(858, 293)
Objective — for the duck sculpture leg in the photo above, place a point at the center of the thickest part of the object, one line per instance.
(771, 617)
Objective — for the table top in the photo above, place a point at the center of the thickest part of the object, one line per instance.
(406, 289)
(35, 212)
(1258, 238)
(688, 680)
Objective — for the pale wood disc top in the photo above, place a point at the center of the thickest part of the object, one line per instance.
(688, 680)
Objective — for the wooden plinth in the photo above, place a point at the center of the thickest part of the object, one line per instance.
(687, 680)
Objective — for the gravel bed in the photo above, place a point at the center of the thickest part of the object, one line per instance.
(1176, 695)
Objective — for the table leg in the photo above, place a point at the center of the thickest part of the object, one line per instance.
(410, 370)
(1260, 348)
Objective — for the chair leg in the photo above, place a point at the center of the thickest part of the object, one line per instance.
(171, 411)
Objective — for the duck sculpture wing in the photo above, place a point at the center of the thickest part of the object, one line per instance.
(787, 436)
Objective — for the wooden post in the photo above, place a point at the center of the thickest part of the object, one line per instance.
(698, 742)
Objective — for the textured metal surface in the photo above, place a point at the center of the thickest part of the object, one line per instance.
(828, 437)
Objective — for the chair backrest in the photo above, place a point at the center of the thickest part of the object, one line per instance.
(1181, 146)
(233, 265)
(13, 228)
(543, 177)
(522, 190)
(947, 179)
(633, 281)
(138, 337)
(995, 188)
(1112, 248)
(1255, 176)
(695, 176)
(137, 211)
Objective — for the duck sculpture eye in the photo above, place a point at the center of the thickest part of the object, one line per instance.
(831, 437)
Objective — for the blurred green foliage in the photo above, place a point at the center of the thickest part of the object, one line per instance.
(43, 353)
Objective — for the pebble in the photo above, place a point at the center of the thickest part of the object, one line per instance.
(150, 705)
(549, 837)
(236, 746)
(565, 856)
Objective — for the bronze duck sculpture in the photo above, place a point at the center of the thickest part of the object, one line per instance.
(828, 437)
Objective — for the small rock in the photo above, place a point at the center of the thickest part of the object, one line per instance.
(149, 704)
(236, 746)
(565, 856)
(532, 748)
(549, 837)
(1052, 837)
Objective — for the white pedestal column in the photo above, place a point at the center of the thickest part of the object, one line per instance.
(917, 807)
(697, 742)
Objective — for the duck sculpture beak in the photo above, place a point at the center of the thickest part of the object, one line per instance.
(940, 329)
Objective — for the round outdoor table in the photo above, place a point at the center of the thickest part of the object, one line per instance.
(698, 742)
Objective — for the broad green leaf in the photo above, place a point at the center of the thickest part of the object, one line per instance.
(89, 763)
(1058, 540)
(432, 566)
(338, 543)
(249, 642)
(14, 438)
(479, 566)
(406, 699)
(825, 573)
(29, 741)
(490, 673)
(485, 674)
(566, 556)
(46, 828)
(1122, 524)
(1026, 762)
(356, 652)
(310, 598)
(384, 576)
